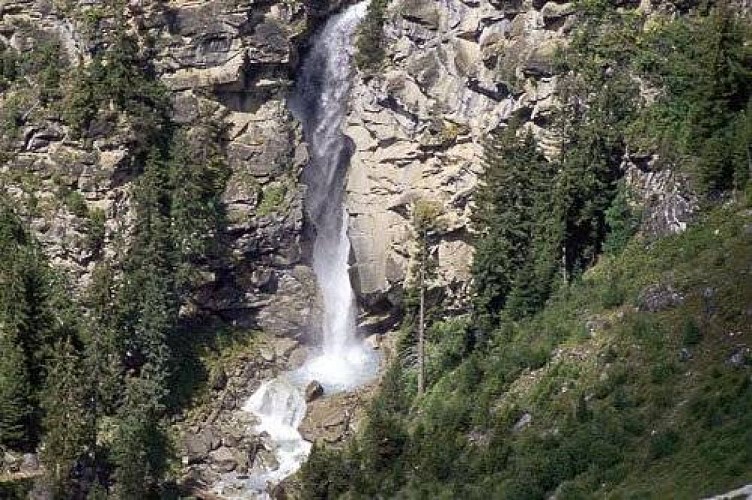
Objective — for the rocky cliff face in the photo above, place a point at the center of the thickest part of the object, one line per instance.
(456, 70)
(229, 61)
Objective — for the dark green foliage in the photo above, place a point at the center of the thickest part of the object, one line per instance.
(75, 202)
(95, 227)
(703, 62)
(121, 77)
(369, 46)
(63, 366)
(198, 172)
(614, 295)
(67, 416)
(139, 448)
(664, 444)
(691, 333)
(42, 63)
(517, 244)
(615, 412)
(16, 490)
(621, 222)
(27, 328)
(15, 393)
(9, 62)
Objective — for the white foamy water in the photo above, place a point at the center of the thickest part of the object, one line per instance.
(343, 362)
(280, 407)
(320, 103)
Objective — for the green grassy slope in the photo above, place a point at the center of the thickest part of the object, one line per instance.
(626, 397)
(624, 402)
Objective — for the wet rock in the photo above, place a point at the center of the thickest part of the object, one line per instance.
(265, 460)
(297, 357)
(313, 390)
(327, 420)
(740, 357)
(284, 346)
(525, 420)
(659, 297)
(374, 341)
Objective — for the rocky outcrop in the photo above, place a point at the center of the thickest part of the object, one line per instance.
(664, 198)
(219, 438)
(223, 61)
(455, 70)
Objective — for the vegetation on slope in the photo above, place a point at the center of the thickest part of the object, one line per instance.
(92, 381)
(625, 397)
(595, 363)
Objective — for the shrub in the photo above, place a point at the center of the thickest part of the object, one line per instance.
(664, 444)
(369, 47)
(691, 334)
(76, 203)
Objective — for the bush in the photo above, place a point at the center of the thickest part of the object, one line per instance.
(613, 295)
(691, 334)
(664, 444)
(369, 46)
(76, 203)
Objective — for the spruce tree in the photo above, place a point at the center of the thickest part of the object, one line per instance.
(138, 448)
(15, 392)
(67, 420)
(513, 207)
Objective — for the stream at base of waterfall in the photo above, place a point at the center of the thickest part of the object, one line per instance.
(342, 362)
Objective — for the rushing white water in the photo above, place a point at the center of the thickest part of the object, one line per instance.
(320, 103)
(280, 407)
(343, 362)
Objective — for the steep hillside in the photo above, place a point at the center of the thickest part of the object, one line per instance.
(605, 351)
(633, 382)
(543, 209)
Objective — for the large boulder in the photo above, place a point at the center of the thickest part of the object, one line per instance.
(313, 390)
(198, 445)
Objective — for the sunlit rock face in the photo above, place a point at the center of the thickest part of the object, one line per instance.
(341, 360)
(223, 62)
(454, 70)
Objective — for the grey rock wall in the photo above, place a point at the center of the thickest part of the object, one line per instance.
(454, 70)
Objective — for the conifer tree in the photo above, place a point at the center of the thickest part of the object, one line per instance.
(15, 392)
(198, 173)
(16, 389)
(513, 212)
(67, 420)
(370, 42)
(138, 449)
(425, 223)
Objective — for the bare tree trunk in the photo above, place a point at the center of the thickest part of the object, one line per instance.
(421, 324)
(564, 263)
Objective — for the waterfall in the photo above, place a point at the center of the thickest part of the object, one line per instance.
(320, 103)
(342, 362)
(280, 407)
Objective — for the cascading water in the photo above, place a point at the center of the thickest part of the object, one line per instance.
(343, 362)
(320, 103)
